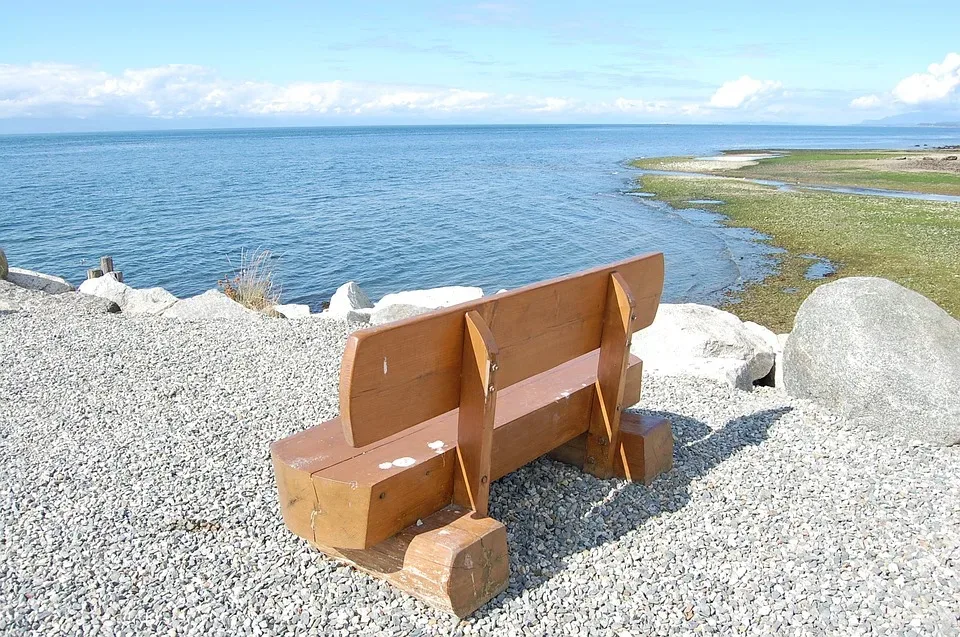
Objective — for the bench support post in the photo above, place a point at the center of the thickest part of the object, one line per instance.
(450, 560)
(603, 436)
(478, 401)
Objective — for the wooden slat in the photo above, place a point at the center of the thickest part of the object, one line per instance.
(398, 375)
(603, 435)
(478, 400)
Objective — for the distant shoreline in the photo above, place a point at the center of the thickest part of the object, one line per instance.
(909, 239)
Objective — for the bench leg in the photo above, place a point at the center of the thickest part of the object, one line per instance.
(453, 560)
(645, 450)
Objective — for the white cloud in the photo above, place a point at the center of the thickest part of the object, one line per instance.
(866, 101)
(742, 92)
(937, 84)
(184, 91)
(58, 90)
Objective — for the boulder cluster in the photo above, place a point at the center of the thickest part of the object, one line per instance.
(873, 351)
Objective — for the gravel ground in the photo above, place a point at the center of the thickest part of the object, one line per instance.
(137, 497)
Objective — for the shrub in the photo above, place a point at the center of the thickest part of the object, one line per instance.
(251, 283)
(4, 266)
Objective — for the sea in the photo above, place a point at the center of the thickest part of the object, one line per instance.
(393, 208)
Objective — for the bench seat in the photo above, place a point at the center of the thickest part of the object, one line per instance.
(341, 496)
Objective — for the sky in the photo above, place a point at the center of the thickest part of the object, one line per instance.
(136, 65)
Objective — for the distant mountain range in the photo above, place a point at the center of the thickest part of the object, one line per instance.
(918, 118)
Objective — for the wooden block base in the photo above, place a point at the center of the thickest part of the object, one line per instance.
(452, 561)
(646, 448)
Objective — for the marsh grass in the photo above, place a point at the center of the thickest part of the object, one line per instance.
(912, 242)
(871, 169)
(251, 283)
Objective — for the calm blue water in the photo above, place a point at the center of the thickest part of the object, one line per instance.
(393, 208)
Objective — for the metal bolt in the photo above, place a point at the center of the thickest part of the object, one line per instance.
(483, 479)
(619, 408)
(383, 495)
(633, 317)
(602, 441)
(590, 460)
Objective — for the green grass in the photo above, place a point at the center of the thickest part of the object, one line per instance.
(915, 243)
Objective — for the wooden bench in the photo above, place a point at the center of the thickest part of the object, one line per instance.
(436, 407)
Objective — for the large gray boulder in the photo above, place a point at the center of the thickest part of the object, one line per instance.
(38, 281)
(698, 340)
(881, 355)
(131, 300)
(401, 305)
(212, 304)
(348, 298)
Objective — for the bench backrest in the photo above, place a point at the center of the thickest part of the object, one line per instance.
(399, 375)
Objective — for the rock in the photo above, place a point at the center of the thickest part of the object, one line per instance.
(293, 310)
(92, 304)
(38, 281)
(396, 312)
(347, 298)
(212, 304)
(770, 339)
(698, 340)
(131, 300)
(778, 363)
(881, 355)
(432, 298)
(950, 158)
(359, 316)
(401, 305)
(4, 266)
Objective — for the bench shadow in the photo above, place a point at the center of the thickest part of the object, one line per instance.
(535, 503)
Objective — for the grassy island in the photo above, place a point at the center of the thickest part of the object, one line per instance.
(913, 242)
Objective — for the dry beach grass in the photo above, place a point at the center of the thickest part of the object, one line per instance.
(137, 496)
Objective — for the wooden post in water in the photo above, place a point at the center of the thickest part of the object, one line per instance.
(106, 264)
(94, 273)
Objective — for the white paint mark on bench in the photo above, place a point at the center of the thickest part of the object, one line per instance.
(384, 365)
(437, 446)
(405, 461)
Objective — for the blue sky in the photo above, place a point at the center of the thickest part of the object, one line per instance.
(70, 65)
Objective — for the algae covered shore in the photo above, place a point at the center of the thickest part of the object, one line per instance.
(914, 242)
